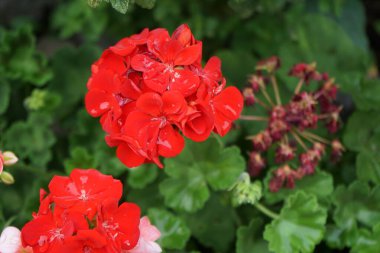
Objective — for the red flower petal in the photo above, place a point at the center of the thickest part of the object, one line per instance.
(144, 63)
(129, 157)
(173, 103)
(98, 102)
(184, 81)
(183, 35)
(124, 47)
(229, 102)
(189, 55)
(170, 142)
(199, 125)
(150, 103)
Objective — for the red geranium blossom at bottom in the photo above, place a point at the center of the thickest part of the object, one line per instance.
(81, 215)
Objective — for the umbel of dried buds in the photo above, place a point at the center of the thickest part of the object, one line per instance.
(290, 125)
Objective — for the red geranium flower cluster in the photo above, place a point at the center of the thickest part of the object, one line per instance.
(81, 215)
(289, 125)
(150, 86)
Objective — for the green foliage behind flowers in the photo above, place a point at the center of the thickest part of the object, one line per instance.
(44, 67)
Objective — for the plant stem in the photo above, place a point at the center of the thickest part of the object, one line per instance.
(259, 101)
(299, 140)
(253, 118)
(275, 88)
(266, 211)
(316, 137)
(217, 137)
(299, 86)
(263, 90)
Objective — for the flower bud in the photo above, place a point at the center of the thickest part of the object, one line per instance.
(245, 192)
(304, 71)
(262, 141)
(9, 158)
(256, 164)
(337, 150)
(270, 65)
(284, 153)
(7, 178)
(256, 82)
(249, 96)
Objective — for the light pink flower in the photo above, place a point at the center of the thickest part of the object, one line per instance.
(148, 235)
(10, 241)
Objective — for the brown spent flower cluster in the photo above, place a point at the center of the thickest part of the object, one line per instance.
(289, 124)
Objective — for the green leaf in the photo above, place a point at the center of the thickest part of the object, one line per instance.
(367, 96)
(213, 226)
(142, 176)
(249, 238)
(19, 59)
(363, 131)
(79, 158)
(319, 184)
(368, 166)
(368, 242)
(74, 17)
(198, 166)
(235, 72)
(31, 139)
(300, 225)
(72, 68)
(120, 5)
(5, 92)
(316, 43)
(357, 203)
(147, 4)
(174, 232)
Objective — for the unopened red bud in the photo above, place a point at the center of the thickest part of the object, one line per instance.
(283, 175)
(256, 81)
(249, 96)
(256, 164)
(270, 65)
(284, 153)
(262, 141)
(277, 129)
(337, 150)
(304, 71)
(278, 112)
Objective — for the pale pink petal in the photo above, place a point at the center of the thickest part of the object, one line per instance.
(144, 246)
(10, 240)
(147, 230)
(148, 234)
(9, 158)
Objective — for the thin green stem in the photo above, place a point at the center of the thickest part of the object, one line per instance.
(299, 140)
(299, 86)
(266, 211)
(316, 137)
(267, 97)
(253, 118)
(217, 137)
(275, 88)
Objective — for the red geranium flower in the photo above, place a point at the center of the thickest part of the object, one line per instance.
(84, 191)
(82, 215)
(151, 86)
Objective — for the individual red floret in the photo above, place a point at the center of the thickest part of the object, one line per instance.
(84, 191)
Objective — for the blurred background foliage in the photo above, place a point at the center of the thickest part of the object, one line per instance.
(46, 50)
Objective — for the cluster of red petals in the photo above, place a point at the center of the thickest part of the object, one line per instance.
(289, 124)
(81, 215)
(151, 86)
